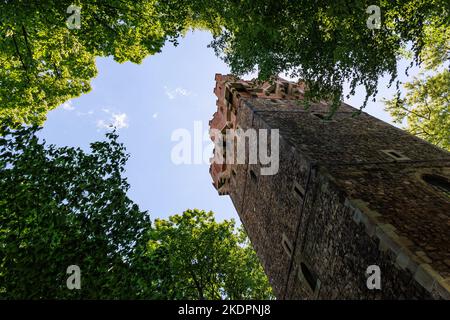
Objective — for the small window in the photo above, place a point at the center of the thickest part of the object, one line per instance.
(323, 117)
(228, 96)
(253, 176)
(224, 149)
(396, 155)
(299, 192)
(287, 245)
(319, 115)
(438, 183)
(310, 277)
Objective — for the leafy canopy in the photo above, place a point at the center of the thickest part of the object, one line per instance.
(62, 207)
(426, 105)
(43, 63)
(326, 43)
(206, 259)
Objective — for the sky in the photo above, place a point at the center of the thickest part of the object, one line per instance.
(151, 102)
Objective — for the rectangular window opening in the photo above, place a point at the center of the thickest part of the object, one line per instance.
(396, 155)
(323, 117)
(309, 276)
(228, 96)
(319, 115)
(299, 192)
(287, 245)
(253, 176)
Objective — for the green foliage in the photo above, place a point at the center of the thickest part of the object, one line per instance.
(199, 258)
(325, 43)
(426, 108)
(426, 105)
(62, 207)
(44, 63)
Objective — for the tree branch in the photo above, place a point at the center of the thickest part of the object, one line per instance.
(24, 66)
(25, 35)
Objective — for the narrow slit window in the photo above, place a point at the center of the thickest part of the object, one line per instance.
(319, 115)
(228, 96)
(323, 117)
(396, 155)
(253, 176)
(299, 192)
(309, 276)
(287, 245)
(438, 183)
(224, 149)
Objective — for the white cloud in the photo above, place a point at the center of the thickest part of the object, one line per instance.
(68, 106)
(177, 92)
(89, 113)
(155, 115)
(102, 124)
(120, 120)
(117, 120)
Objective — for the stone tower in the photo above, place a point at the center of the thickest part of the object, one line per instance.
(350, 193)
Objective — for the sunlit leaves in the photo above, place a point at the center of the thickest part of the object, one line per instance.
(199, 258)
(43, 63)
(425, 107)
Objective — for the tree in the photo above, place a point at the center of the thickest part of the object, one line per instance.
(325, 43)
(426, 105)
(426, 108)
(199, 258)
(43, 63)
(61, 207)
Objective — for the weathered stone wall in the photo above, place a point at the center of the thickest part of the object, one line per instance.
(337, 249)
(339, 203)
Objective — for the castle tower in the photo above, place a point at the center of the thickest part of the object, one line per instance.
(350, 193)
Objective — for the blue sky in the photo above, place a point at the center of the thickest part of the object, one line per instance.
(148, 102)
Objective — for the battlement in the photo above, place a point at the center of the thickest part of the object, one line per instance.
(230, 91)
